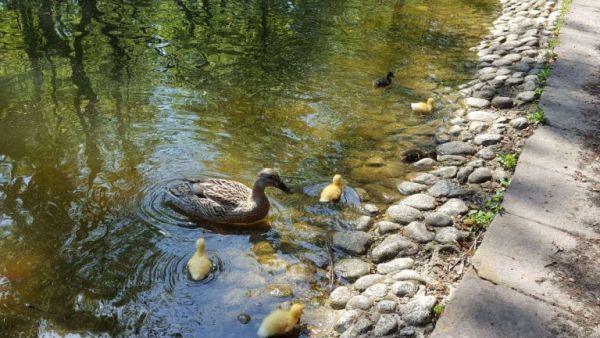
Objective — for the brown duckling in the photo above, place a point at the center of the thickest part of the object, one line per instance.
(383, 81)
(413, 155)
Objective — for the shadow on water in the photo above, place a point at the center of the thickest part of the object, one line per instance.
(105, 103)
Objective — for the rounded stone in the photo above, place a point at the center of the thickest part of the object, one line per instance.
(447, 235)
(418, 310)
(401, 213)
(386, 226)
(452, 160)
(369, 209)
(526, 96)
(365, 281)
(351, 268)
(340, 296)
(454, 207)
(355, 242)
(454, 130)
(418, 232)
(486, 154)
(445, 188)
(243, 318)
(445, 172)
(387, 324)
(502, 102)
(393, 246)
(463, 173)
(456, 148)
(519, 123)
(480, 115)
(395, 265)
(403, 288)
(480, 175)
(419, 201)
(425, 162)
(438, 219)
(362, 223)
(376, 290)
(345, 319)
(477, 102)
(409, 188)
(386, 306)
(359, 302)
(425, 178)
(487, 139)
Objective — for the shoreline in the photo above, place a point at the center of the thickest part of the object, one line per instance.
(421, 247)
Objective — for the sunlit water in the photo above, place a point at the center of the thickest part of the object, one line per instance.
(104, 103)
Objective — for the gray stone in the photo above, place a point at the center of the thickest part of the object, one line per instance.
(486, 154)
(452, 159)
(445, 172)
(401, 213)
(519, 123)
(360, 327)
(477, 102)
(456, 148)
(340, 296)
(418, 310)
(526, 96)
(412, 275)
(521, 67)
(425, 178)
(403, 288)
(477, 126)
(487, 139)
(480, 175)
(476, 163)
(363, 223)
(454, 207)
(487, 93)
(500, 175)
(367, 280)
(513, 81)
(369, 209)
(502, 102)
(359, 302)
(447, 235)
(529, 86)
(454, 130)
(438, 219)
(463, 173)
(395, 265)
(345, 319)
(480, 115)
(425, 162)
(419, 201)
(386, 226)
(418, 232)
(386, 306)
(445, 188)
(386, 325)
(355, 242)
(351, 268)
(377, 290)
(393, 246)
(409, 188)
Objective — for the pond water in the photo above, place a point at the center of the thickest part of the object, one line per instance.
(104, 103)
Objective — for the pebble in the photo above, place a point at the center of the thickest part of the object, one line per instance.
(456, 148)
(444, 188)
(487, 139)
(418, 310)
(363, 223)
(419, 201)
(454, 207)
(395, 265)
(370, 209)
(386, 226)
(480, 115)
(393, 246)
(376, 290)
(454, 130)
(386, 325)
(425, 162)
(445, 172)
(529, 86)
(463, 173)
(478, 126)
(418, 232)
(519, 123)
(425, 178)
(351, 268)
(365, 281)
(502, 102)
(447, 235)
(340, 296)
(486, 154)
(452, 159)
(409, 188)
(480, 175)
(362, 325)
(526, 96)
(386, 306)
(412, 275)
(400, 213)
(359, 302)
(354, 242)
(477, 102)
(345, 319)
(403, 288)
(438, 219)
(243, 318)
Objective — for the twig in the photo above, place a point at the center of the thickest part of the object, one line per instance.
(331, 269)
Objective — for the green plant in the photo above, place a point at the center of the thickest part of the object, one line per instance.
(438, 309)
(536, 117)
(544, 74)
(481, 217)
(508, 161)
(504, 183)
(539, 91)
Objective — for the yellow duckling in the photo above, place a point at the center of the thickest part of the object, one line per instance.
(332, 192)
(281, 321)
(422, 107)
(199, 265)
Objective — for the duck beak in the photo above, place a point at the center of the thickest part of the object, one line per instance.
(284, 188)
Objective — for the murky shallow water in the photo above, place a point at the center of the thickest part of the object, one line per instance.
(103, 103)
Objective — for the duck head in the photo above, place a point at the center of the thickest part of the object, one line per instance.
(200, 245)
(390, 75)
(337, 180)
(430, 101)
(270, 178)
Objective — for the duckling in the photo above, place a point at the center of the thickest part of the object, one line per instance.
(383, 81)
(199, 265)
(332, 192)
(413, 155)
(422, 107)
(281, 321)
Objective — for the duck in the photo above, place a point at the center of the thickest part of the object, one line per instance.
(413, 155)
(280, 321)
(199, 265)
(383, 81)
(423, 107)
(226, 201)
(332, 192)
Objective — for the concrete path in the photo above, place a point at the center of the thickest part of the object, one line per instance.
(537, 272)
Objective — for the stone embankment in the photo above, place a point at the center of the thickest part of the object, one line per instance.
(407, 262)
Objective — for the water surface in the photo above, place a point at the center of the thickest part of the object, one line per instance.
(104, 103)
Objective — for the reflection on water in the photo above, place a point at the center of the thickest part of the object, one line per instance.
(104, 103)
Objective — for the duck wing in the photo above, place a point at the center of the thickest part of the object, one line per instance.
(223, 192)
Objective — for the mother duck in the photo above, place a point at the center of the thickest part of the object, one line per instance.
(226, 201)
